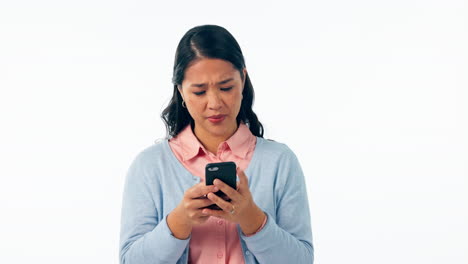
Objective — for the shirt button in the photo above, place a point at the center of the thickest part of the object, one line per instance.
(220, 222)
(195, 178)
(220, 255)
(247, 253)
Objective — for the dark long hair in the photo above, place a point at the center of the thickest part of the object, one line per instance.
(208, 41)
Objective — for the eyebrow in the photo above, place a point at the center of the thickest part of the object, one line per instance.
(203, 84)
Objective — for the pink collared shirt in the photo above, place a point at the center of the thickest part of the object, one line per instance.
(217, 240)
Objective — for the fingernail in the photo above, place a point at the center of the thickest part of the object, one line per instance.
(215, 189)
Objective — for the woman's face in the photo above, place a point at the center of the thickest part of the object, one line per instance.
(212, 91)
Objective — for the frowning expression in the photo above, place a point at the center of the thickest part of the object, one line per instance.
(212, 91)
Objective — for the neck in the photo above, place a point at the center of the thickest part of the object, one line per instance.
(211, 142)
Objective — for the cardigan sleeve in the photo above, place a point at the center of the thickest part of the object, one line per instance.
(287, 237)
(144, 238)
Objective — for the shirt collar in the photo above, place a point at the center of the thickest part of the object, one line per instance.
(239, 143)
(189, 143)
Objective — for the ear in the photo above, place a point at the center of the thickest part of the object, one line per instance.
(179, 87)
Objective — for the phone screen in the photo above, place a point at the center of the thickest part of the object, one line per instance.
(226, 172)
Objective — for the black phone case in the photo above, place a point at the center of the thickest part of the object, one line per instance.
(226, 172)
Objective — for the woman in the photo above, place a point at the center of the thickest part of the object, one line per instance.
(209, 119)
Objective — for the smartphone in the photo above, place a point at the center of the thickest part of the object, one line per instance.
(226, 172)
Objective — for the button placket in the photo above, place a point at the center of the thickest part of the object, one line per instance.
(221, 237)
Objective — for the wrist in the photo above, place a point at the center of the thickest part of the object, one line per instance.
(179, 224)
(260, 228)
(254, 222)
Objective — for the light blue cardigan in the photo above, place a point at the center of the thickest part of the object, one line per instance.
(156, 182)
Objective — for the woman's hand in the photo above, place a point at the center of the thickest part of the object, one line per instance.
(241, 209)
(189, 211)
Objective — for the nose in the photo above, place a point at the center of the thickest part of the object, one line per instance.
(214, 101)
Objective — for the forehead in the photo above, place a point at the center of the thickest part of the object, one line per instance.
(209, 70)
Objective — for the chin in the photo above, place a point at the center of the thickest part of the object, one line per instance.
(219, 130)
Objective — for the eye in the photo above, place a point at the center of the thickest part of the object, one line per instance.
(199, 93)
(226, 89)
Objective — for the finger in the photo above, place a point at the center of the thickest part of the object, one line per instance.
(216, 213)
(226, 189)
(198, 216)
(243, 181)
(226, 206)
(200, 203)
(200, 190)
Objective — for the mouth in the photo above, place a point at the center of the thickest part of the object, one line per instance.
(216, 118)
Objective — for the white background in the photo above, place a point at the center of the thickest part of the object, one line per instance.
(370, 95)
